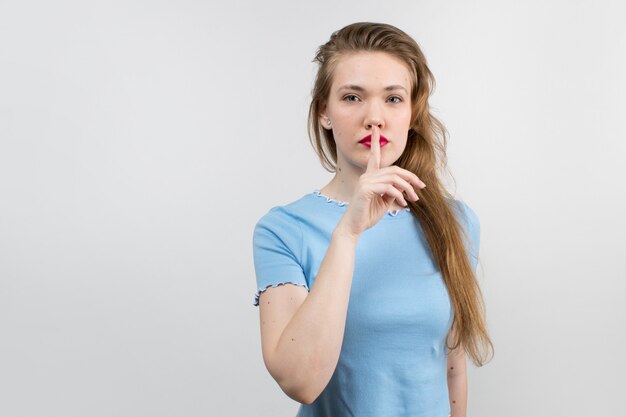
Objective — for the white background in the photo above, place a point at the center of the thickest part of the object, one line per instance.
(141, 141)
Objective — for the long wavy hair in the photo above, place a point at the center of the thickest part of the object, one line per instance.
(424, 155)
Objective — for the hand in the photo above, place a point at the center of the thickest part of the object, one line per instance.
(376, 190)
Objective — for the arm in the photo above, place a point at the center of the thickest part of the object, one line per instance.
(457, 382)
(302, 333)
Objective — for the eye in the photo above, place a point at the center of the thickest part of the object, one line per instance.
(399, 99)
(348, 96)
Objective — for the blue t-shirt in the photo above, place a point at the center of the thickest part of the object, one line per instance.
(393, 355)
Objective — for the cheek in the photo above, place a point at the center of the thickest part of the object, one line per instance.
(407, 117)
(346, 114)
(341, 139)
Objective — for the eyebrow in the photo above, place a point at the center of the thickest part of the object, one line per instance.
(359, 88)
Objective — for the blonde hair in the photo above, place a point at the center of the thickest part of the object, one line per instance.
(425, 149)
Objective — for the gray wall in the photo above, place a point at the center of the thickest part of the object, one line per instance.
(141, 141)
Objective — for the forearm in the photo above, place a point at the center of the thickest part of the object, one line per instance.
(457, 391)
(309, 347)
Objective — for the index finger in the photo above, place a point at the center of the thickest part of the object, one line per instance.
(373, 163)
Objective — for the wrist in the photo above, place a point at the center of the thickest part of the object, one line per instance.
(343, 232)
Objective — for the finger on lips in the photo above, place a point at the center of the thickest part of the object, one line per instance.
(374, 155)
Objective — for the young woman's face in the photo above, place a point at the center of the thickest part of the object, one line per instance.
(369, 88)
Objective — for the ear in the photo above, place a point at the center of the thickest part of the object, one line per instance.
(323, 119)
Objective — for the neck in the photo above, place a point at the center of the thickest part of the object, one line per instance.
(343, 184)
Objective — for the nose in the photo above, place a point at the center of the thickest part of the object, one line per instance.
(374, 122)
(374, 117)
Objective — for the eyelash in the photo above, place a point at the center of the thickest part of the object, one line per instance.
(352, 95)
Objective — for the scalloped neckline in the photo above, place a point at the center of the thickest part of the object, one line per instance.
(337, 203)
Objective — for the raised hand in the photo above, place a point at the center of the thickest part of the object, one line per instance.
(376, 190)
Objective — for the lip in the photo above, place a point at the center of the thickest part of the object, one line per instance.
(367, 141)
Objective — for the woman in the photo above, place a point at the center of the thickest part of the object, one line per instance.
(366, 287)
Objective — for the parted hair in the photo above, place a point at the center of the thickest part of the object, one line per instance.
(425, 156)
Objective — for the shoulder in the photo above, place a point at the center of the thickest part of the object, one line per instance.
(283, 215)
(467, 214)
(284, 221)
(470, 223)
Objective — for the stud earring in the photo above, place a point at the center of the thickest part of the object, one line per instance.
(328, 122)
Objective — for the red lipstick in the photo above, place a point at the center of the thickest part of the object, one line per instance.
(367, 141)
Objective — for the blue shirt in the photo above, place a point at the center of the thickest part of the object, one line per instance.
(393, 355)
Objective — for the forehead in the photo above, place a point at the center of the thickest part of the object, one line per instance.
(370, 70)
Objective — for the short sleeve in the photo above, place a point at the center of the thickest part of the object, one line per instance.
(471, 224)
(277, 249)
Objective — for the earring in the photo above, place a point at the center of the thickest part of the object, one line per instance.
(328, 122)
